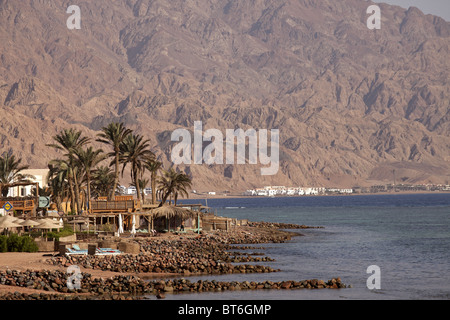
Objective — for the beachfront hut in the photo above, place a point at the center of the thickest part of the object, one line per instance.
(174, 216)
(80, 222)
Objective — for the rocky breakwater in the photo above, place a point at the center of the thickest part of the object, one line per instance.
(196, 254)
(133, 287)
(177, 263)
(254, 233)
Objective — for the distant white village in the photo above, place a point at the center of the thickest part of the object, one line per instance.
(271, 191)
(268, 191)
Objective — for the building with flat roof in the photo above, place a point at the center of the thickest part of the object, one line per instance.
(40, 176)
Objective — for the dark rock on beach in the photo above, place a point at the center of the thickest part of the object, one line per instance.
(132, 287)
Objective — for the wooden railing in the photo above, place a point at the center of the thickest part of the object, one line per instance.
(114, 206)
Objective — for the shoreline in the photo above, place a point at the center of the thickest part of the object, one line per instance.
(42, 276)
(232, 196)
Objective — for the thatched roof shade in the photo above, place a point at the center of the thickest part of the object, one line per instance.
(169, 211)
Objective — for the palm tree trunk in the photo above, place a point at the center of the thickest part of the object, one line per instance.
(136, 183)
(77, 194)
(72, 194)
(116, 175)
(164, 199)
(88, 195)
(4, 191)
(58, 203)
(153, 178)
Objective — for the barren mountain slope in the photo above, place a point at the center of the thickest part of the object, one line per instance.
(351, 104)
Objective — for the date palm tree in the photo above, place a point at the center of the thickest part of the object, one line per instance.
(10, 171)
(134, 150)
(57, 180)
(70, 140)
(174, 183)
(153, 166)
(102, 181)
(113, 135)
(88, 159)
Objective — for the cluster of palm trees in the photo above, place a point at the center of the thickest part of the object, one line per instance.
(81, 174)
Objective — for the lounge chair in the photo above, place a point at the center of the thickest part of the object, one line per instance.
(70, 251)
(107, 251)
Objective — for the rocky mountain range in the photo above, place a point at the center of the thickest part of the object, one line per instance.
(351, 104)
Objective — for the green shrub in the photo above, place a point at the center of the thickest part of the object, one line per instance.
(28, 245)
(107, 227)
(3, 244)
(66, 231)
(15, 243)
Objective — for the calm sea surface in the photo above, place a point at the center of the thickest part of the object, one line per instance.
(407, 236)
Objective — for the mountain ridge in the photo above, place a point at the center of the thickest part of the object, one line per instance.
(351, 104)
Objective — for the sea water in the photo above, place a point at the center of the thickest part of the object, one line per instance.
(406, 235)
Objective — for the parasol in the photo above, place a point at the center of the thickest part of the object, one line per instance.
(28, 223)
(48, 224)
(120, 224)
(133, 225)
(8, 222)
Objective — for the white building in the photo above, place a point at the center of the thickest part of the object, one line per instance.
(250, 192)
(262, 192)
(339, 190)
(40, 176)
(275, 190)
(122, 189)
(291, 191)
(131, 190)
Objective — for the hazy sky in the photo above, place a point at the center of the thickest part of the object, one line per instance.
(437, 7)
